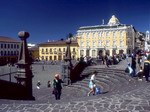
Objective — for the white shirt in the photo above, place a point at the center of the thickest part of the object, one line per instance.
(93, 77)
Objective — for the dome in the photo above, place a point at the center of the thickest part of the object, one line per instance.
(147, 31)
(113, 21)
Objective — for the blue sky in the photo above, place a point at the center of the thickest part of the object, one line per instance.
(54, 19)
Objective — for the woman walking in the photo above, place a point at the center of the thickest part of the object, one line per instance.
(57, 87)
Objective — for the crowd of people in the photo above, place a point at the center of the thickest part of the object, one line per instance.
(135, 68)
(139, 66)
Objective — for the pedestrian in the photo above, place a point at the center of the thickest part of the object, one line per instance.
(133, 66)
(107, 60)
(38, 85)
(92, 84)
(49, 84)
(147, 68)
(57, 86)
(139, 59)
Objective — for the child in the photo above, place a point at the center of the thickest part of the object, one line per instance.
(38, 85)
(49, 84)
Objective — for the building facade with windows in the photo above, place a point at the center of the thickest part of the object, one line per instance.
(9, 50)
(147, 41)
(112, 38)
(55, 50)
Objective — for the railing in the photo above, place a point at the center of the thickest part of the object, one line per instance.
(7, 73)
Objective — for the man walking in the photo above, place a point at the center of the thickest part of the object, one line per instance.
(147, 68)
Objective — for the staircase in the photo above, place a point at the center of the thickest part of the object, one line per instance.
(110, 80)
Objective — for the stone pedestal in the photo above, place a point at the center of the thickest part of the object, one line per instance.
(24, 74)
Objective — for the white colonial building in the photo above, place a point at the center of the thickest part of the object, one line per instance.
(9, 50)
(147, 41)
(112, 38)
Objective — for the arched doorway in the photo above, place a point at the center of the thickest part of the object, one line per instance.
(114, 52)
(121, 51)
(100, 54)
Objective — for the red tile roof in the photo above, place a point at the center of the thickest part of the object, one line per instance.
(7, 39)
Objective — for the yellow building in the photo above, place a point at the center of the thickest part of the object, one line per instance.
(112, 38)
(55, 50)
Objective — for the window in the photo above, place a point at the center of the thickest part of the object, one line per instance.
(63, 49)
(42, 57)
(50, 58)
(46, 50)
(17, 46)
(74, 49)
(14, 52)
(46, 58)
(107, 35)
(114, 43)
(1, 53)
(88, 44)
(121, 43)
(88, 35)
(94, 44)
(94, 35)
(59, 49)
(1, 45)
(14, 45)
(54, 49)
(11, 52)
(113, 34)
(5, 45)
(42, 51)
(11, 45)
(50, 50)
(107, 43)
(100, 34)
(55, 58)
(100, 43)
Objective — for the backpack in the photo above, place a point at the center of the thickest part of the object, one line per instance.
(97, 90)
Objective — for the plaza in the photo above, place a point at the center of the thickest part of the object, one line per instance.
(124, 93)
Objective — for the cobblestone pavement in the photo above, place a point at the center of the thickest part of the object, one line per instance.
(136, 100)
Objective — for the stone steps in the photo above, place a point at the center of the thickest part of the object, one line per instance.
(110, 80)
